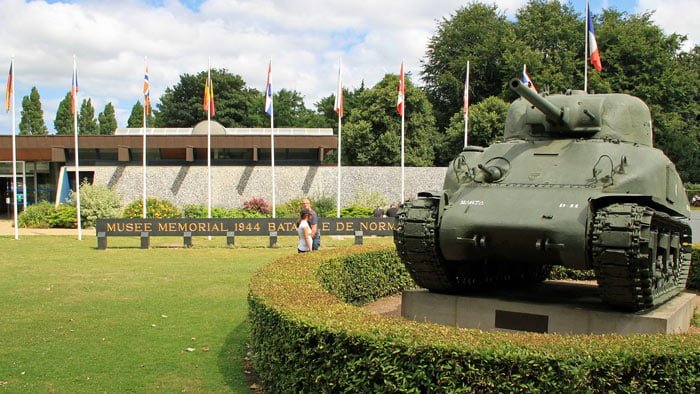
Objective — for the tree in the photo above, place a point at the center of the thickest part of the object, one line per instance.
(552, 46)
(64, 116)
(107, 120)
(639, 59)
(136, 117)
(291, 112)
(372, 132)
(477, 33)
(87, 124)
(32, 117)
(236, 104)
(486, 123)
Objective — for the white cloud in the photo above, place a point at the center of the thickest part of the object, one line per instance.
(304, 38)
(675, 16)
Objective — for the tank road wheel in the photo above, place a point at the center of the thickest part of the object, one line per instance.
(415, 237)
(638, 256)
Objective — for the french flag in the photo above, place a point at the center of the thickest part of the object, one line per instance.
(593, 52)
(525, 79)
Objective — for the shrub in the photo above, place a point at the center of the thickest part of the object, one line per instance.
(355, 211)
(36, 216)
(368, 199)
(257, 205)
(194, 211)
(290, 209)
(325, 206)
(155, 209)
(64, 216)
(304, 339)
(694, 275)
(96, 202)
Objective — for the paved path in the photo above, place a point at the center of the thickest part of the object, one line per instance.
(7, 229)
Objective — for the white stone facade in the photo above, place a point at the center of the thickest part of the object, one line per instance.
(233, 185)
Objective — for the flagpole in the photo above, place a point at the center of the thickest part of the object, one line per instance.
(272, 141)
(339, 110)
(14, 148)
(77, 157)
(466, 108)
(211, 89)
(145, 110)
(585, 51)
(403, 111)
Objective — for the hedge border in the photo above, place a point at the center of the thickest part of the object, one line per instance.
(306, 340)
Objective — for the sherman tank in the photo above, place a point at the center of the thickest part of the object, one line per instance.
(575, 182)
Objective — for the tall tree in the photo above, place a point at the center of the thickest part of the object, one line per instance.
(136, 117)
(107, 120)
(552, 46)
(64, 116)
(290, 110)
(236, 104)
(32, 117)
(477, 33)
(372, 132)
(87, 124)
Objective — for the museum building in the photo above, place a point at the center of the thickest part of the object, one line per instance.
(45, 164)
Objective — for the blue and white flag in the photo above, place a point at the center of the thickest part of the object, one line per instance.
(268, 90)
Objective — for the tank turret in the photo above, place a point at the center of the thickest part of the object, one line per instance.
(575, 182)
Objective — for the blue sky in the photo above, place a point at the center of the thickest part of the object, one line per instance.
(304, 38)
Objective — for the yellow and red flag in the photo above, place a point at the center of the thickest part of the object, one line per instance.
(8, 91)
(208, 103)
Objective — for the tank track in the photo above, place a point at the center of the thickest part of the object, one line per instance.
(640, 255)
(415, 237)
(416, 240)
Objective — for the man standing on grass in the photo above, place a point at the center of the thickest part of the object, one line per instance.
(313, 222)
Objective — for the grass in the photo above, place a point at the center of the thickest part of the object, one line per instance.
(76, 319)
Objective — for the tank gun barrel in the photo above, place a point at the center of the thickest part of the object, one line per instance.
(552, 112)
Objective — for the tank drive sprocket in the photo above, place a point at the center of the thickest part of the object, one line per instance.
(640, 255)
(415, 236)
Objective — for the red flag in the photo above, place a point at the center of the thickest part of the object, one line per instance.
(402, 92)
(8, 91)
(208, 104)
(593, 52)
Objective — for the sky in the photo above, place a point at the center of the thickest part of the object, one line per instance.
(304, 39)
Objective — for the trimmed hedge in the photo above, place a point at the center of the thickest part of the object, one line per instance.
(305, 339)
(364, 277)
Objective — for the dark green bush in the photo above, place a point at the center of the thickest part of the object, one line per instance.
(155, 208)
(36, 216)
(64, 216)
(304, 339)
(694, 275)
(356, 211)
(363, 277)
(559, 272)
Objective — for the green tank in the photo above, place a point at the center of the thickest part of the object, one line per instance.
(575, 182)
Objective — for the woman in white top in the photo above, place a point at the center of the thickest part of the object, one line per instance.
(304, 231)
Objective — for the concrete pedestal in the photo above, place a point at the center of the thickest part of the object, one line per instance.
(549, 307)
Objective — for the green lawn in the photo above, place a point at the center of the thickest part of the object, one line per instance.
(77, 319)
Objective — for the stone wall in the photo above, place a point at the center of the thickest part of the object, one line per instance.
(232, 185)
